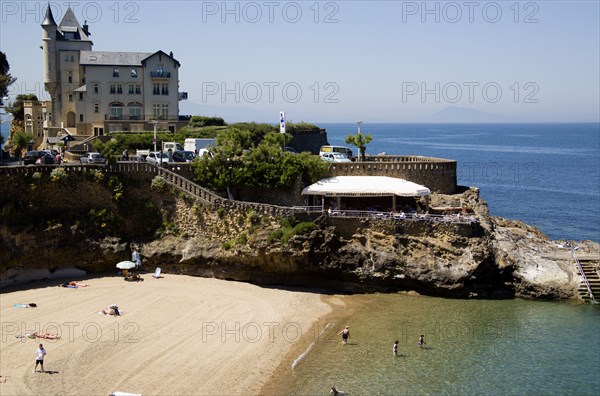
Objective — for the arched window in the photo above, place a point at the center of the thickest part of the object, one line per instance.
(135, 110)
(70, 119)
(116, 111)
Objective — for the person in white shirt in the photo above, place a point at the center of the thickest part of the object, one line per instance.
(39, 359)
(137, 259)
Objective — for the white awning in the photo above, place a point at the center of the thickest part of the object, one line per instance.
(362, 186)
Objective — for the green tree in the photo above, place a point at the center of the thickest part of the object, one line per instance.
(202, 121)
(109, 150)
(237, 161)
(6, 80)
(360, 141)
(17, 109)
(20, 141)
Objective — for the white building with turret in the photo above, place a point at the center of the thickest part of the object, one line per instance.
(93, 93)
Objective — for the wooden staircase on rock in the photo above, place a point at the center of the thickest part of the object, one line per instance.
(589, 269)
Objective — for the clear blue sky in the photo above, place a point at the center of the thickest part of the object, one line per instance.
(351, 59)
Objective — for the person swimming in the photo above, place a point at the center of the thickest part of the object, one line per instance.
(345, 334)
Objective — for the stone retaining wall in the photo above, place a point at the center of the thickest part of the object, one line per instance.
(439, 175)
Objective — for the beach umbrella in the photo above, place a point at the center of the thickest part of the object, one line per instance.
(125, 265)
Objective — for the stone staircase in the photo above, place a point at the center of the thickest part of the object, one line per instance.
(589, 269)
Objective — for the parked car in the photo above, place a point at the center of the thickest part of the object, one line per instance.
(336, 149)
(206, 153)
(184, 156)
(53, 152)
(157, 158)
(334, 157)
(92, 158)
(31, 157)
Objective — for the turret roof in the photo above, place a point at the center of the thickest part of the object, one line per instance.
(69, 23)
(49, 19)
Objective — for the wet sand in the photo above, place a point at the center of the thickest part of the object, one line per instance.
(179, 335)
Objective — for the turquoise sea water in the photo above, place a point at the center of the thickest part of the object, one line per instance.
(508, 347)
(547, 175)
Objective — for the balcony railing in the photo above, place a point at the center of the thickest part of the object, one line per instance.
(160, 74)
(123, 117)
(126, 117)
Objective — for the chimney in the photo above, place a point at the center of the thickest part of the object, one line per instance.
(86, 28)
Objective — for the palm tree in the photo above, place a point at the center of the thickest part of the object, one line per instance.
(360, 141)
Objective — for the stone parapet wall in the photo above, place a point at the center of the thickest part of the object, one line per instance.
(437, 174)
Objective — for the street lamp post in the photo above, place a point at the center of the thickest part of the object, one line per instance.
(359, 157)
(155, 123)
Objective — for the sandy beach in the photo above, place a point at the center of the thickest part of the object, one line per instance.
(179, 335)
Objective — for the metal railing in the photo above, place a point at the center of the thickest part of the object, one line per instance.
(585, 279)
(160, 74)
(369, 214)
(186, 185)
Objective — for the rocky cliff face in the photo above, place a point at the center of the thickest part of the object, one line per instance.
(493, 258)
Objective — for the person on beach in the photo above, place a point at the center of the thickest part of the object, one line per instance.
(334, 391)
(136, 258)
(39, 358)
(112, 310)
(395, 348)
(421, 341)
(46, 336)
(345, 335)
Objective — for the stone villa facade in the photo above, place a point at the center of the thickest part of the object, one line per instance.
(93, 93)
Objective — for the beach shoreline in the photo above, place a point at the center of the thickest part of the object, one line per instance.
(179, 335)
(325, 330)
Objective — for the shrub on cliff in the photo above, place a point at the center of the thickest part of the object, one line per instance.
(289, 229)
(158, 183)
(58, 175)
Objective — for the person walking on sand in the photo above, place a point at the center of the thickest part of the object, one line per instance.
(421, 341)
(345, 335)
(136, 258)
(395, 348)
(39, 358)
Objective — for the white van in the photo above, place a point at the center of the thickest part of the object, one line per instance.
(195, 145)
(173, 146)
(336, 149)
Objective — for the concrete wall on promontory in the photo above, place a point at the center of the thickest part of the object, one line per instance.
(437, 174)
(310, 141)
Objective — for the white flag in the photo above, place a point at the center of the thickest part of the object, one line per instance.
(281, 122)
